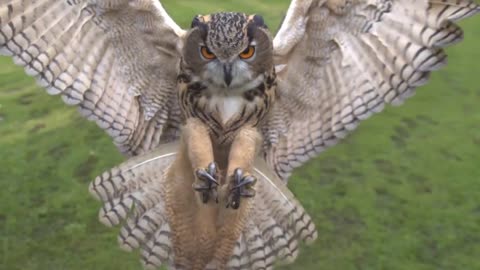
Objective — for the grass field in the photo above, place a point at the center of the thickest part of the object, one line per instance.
(403, 192)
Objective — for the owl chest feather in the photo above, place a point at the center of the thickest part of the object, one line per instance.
(226, 111)
(227, 107)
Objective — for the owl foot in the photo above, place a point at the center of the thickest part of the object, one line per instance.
(206, 182)
(242, 186)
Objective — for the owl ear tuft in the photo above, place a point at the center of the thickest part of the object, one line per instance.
(259, 22)
(199, 22)
(255, 22)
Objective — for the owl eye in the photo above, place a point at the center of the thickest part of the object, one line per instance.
(206, 53)
(248, 52)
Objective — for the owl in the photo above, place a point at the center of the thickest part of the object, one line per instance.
(214, 118)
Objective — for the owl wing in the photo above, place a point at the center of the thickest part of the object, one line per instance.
(340, 61)
(114, 59)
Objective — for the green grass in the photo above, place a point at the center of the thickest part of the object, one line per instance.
(403, 192)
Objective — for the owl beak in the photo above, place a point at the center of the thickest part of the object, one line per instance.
(227, 73)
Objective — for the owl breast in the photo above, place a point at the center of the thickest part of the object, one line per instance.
(225, 111)
(227, 107)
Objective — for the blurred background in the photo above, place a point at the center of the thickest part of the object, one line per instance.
(402, 192)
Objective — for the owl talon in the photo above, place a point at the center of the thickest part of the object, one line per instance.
(207, 182)
(242, 187)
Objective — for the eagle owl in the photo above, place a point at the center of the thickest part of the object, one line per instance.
(215, 118)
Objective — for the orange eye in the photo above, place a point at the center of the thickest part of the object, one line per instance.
(248, 53)
(207, 53)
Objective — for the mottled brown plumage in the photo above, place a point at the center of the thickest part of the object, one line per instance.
(201, 95)
(229, 93)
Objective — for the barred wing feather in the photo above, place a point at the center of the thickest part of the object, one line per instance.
(343, 60)
(108, 57)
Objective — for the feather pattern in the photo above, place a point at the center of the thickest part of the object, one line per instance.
(133, 196)
(344, 60)
(98, 55)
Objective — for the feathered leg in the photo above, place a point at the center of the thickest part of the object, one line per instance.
(193, 221)
(200, 152)
(209, 225)
(240, 164)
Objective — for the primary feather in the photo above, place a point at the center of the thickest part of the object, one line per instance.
(114, 59)
(343, 60)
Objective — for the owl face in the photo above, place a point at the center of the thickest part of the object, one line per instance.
(229, 52)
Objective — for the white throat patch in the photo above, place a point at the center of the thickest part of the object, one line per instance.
(228, 106)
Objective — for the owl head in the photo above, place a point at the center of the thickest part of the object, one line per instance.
(228, 50)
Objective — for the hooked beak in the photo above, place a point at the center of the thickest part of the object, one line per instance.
(227, 73)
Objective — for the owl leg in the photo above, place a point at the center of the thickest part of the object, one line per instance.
(240, 164)
(200, 154)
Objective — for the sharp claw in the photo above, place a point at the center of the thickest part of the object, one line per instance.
(237, 174)
(247, 181)
(242, 188)
(210, 183)
(206, 176)
(212, 168)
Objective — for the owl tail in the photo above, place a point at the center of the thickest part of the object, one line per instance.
(277, 226)
(133, 196)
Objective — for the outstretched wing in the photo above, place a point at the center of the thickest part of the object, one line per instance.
(340, 61)
(115, 59)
